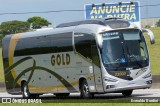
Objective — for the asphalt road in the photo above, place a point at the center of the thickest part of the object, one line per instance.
(153, 95)
(136, 93)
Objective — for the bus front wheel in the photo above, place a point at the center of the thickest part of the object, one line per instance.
(84, 89)
(127, 93)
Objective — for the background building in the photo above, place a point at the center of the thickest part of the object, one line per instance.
(149, 22)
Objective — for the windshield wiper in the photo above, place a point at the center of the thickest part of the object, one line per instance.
(123, 55)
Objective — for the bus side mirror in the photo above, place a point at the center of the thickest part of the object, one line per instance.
(150, 34)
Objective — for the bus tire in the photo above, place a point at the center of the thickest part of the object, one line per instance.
(127, 93)
(84, 89)
(25, 90)
(61, 94)
(35, 96)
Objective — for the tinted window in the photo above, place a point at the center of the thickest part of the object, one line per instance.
(44, 44)
(124, 48)
(83, 44)
(62, 42)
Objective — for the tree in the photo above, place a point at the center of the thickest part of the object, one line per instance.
(15, 26)
(1, 36)
(38, 22)
(158, 23)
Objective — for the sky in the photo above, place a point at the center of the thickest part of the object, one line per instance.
(9, 6)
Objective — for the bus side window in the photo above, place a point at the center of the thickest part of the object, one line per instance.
(83, 44)
(95, 56)
(61, 42)
(20, 49)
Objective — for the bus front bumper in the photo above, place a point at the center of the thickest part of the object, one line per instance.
(130, 85)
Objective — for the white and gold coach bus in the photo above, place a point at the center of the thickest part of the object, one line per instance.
(91, 57)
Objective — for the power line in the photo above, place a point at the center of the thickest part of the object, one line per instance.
(151, 5)
(57, 11)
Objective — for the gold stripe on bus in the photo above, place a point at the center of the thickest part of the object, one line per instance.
(49, 88)
(12, 46)
(54, 88)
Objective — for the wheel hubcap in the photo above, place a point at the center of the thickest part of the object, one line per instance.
(86, 89)
(25, 91)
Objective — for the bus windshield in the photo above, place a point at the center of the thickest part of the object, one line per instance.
(123, 49)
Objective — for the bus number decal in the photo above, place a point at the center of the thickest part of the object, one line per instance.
(120, 74)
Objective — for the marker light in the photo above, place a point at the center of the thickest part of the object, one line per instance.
(148, 75)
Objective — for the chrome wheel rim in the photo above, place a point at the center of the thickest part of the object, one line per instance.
(85, 89)
(25, 91)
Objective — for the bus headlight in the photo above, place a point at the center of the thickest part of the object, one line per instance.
(110, 79)
(148, 75)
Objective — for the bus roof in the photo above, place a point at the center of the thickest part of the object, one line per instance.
(81, 26)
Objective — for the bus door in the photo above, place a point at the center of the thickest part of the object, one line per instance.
(96, 68)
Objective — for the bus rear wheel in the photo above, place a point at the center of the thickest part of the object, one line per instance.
(25, 90)
(84, 89)
(127, 93)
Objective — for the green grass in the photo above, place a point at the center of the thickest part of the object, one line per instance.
(1, 67)
(154, 51)
(85, 104)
